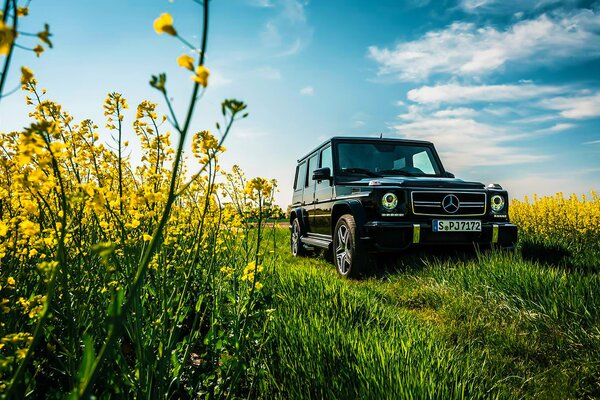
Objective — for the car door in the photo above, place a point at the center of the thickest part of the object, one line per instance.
(321, 215)
(308, 197)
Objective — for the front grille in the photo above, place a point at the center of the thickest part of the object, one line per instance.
(430, 203)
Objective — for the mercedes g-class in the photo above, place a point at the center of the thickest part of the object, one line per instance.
(356, 197)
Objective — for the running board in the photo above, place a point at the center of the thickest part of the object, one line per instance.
(311, 241)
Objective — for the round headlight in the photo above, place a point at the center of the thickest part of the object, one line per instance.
(389, 201)
(497, 203)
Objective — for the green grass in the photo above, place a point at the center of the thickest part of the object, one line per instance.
(444, 326)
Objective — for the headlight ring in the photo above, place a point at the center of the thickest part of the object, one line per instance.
(389, 201)
(497, 203)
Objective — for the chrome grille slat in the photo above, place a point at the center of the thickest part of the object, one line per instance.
(430, 203)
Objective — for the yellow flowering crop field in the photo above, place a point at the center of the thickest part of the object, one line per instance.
(571, 220)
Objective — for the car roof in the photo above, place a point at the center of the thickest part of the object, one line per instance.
(363, 139)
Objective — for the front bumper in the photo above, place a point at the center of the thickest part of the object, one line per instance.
(389, 236)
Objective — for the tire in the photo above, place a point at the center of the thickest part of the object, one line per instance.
(296, 245)
(349, 256)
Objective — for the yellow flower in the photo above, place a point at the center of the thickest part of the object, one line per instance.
(186, 61)
(11, 281)
(3, 229)
(164, 24)
(7, 36)
(22, 11)
(29, 228)
(147, 237)
(38, 50)
(21, 353)
(201, 76)
(26, 75)
(258, 285)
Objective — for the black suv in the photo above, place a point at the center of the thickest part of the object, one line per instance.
(359, 196)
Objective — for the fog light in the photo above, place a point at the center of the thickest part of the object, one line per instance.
(497, 203)
(389, 201)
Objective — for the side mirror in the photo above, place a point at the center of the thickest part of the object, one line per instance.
(449, 175)
(321, 174)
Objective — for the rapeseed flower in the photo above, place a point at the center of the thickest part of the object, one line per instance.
(186, 61)
(164, 24)
(26, 75)
(201, 76)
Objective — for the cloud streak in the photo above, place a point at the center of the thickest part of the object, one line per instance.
(307, 91)
(575, 107)
(511, 6)
(459, 94)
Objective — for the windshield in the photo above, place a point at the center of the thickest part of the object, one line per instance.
(381, 159)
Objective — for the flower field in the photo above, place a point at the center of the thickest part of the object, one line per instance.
(572, 220)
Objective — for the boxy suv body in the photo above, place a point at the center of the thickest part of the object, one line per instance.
(360, 196)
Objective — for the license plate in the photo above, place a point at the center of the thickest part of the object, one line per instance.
(443, 225)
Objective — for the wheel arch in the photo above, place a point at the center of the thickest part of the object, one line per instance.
(351, 206)
(302, 216)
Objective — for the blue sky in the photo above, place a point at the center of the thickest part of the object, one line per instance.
(508, 90)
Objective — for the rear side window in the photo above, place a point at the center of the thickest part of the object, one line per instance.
(300, 176)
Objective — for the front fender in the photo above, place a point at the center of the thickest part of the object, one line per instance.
(351, 206)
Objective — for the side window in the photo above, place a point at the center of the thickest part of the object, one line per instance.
(300, 176)
(326, 161)
(312, 165)
(421, 160)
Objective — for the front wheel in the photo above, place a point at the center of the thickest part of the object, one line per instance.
(350, 257)
(297, 247)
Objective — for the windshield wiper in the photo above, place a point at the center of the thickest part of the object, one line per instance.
(396, 172)
(361, 171)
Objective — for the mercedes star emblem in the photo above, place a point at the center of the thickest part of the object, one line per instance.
(450, 204)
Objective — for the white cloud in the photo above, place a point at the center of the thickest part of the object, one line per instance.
(269, 73)
(358, 119)
(536, 119)
(307, 91)
(576, 107)
(455, 112)
(464, 142)
(261, 3)
(248, 133)
(288, 31)
(560, 127)
(455, 93)
(217, 79)
(468, 50)
(592, 142)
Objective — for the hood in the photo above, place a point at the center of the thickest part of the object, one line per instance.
(414, 181)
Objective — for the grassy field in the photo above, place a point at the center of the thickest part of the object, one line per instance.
(444, 325)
